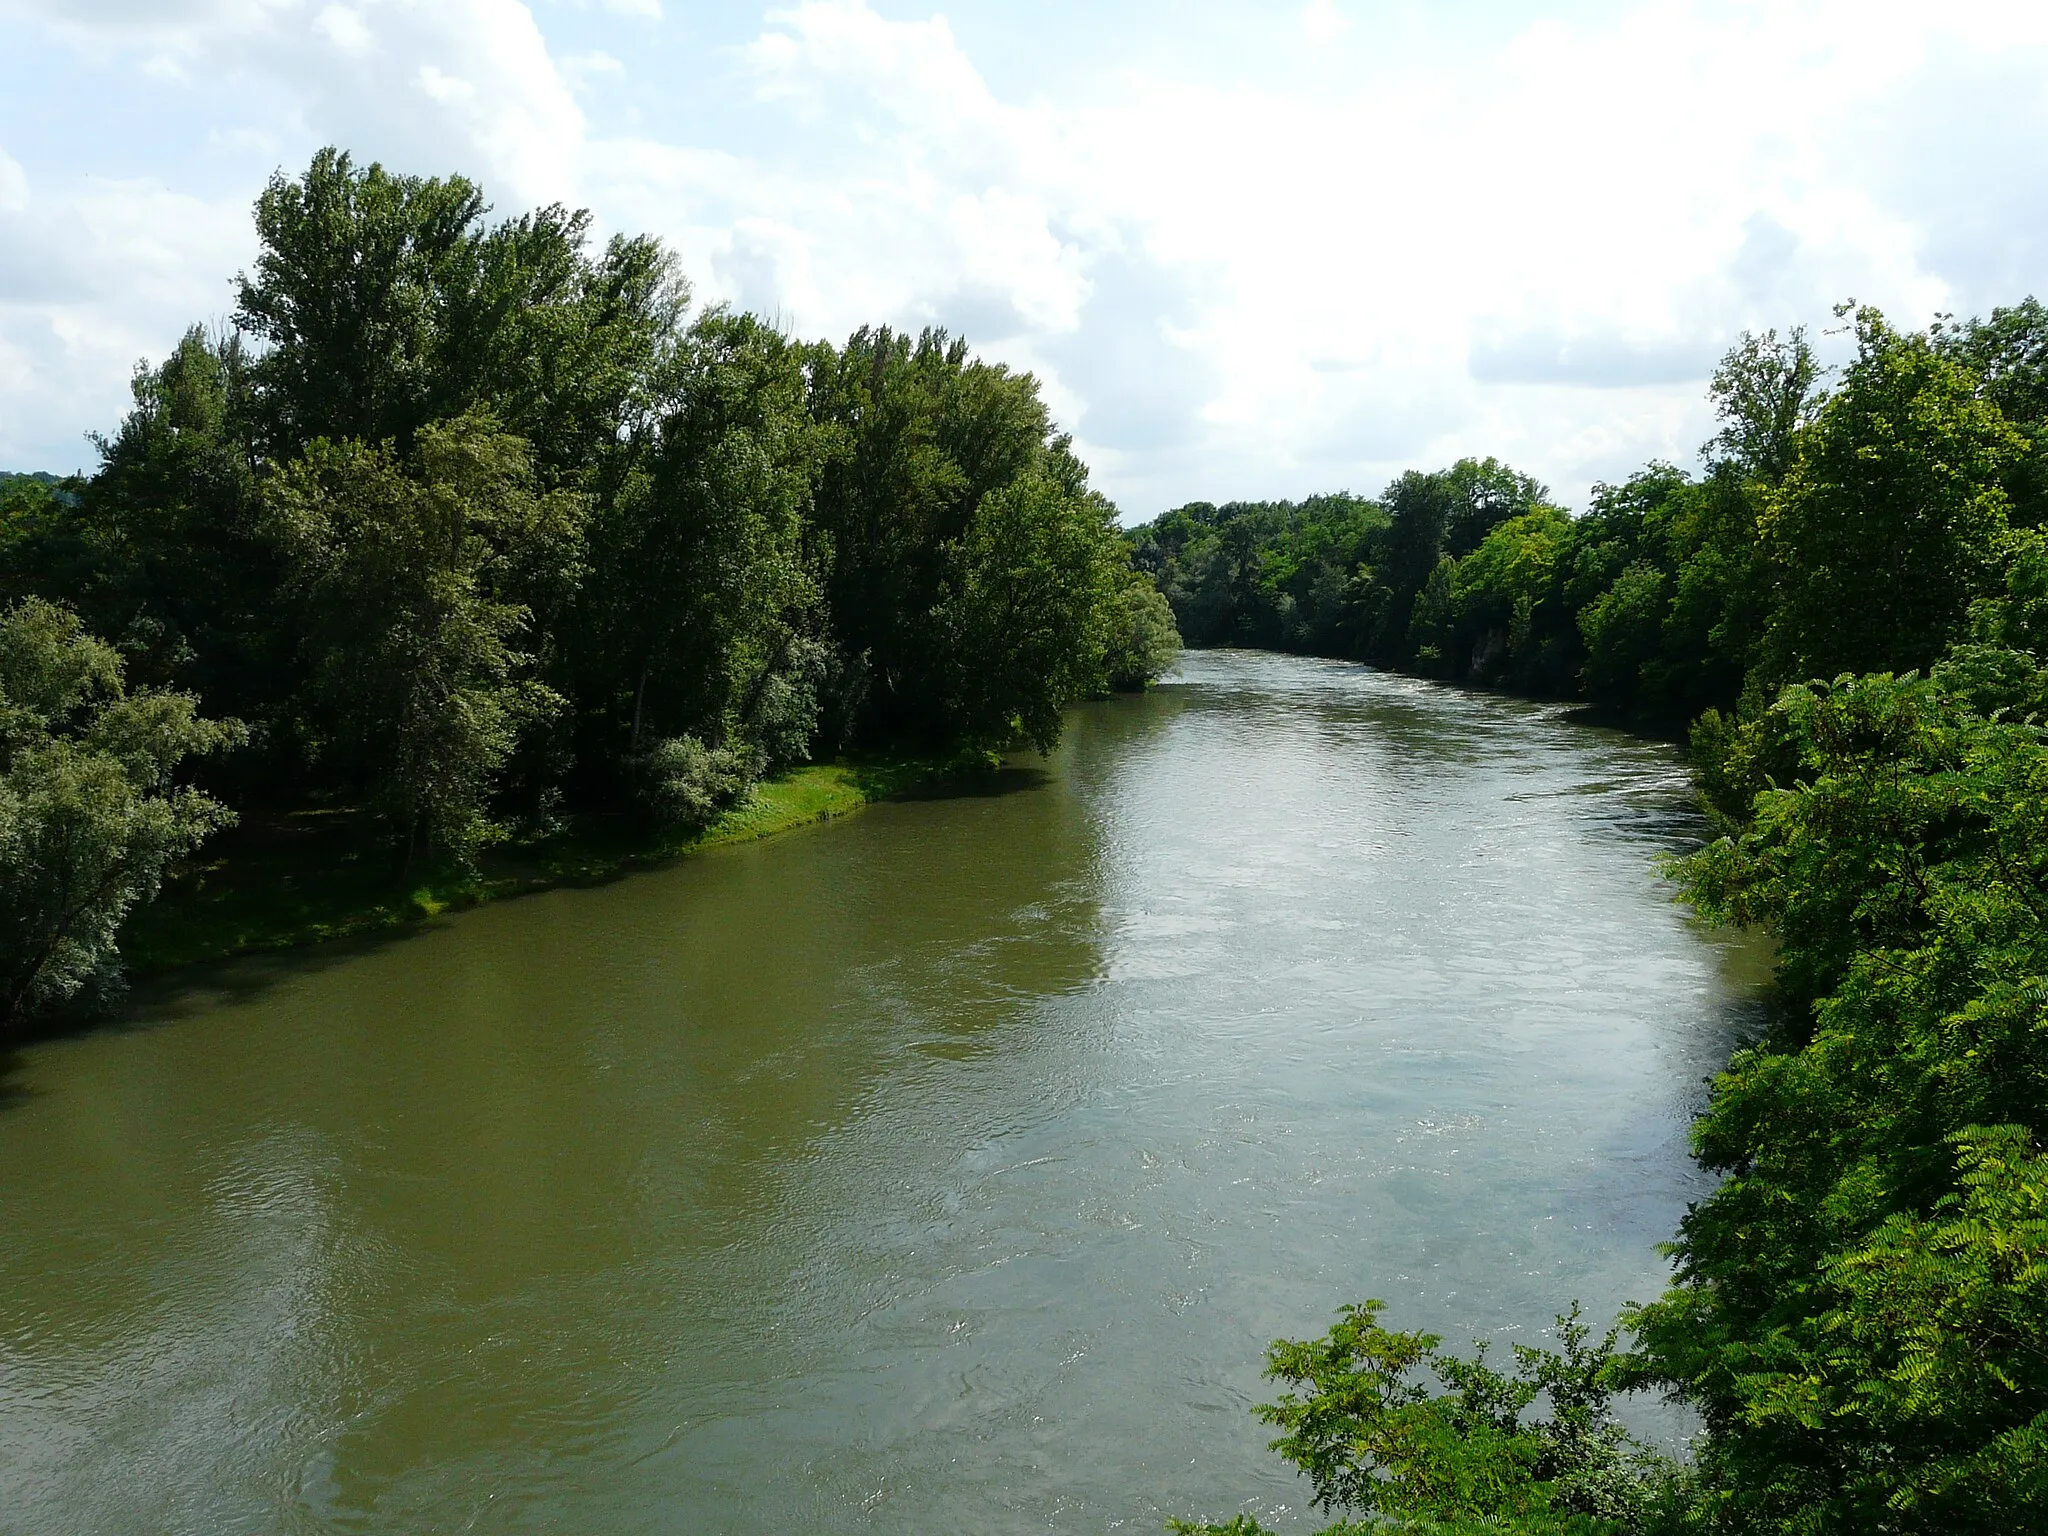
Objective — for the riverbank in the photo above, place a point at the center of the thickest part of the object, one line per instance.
(284, 881)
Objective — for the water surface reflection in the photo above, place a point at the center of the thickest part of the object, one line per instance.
(943, 1169)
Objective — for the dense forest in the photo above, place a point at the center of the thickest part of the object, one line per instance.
(471, 525)
(1851, 606)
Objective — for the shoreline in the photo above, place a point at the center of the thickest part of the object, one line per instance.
(291, 881)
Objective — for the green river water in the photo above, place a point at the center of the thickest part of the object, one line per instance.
(942, 1170)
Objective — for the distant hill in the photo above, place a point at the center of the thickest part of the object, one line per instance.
(8, 477)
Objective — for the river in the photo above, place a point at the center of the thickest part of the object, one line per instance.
(943, 1169)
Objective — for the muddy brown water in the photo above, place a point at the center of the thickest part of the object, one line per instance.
(942, 1169)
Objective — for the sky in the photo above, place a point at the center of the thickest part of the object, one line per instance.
(1250, 250)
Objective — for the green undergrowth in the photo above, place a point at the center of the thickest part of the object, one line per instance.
(281, 881)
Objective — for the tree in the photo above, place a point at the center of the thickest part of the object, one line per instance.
(185, 570)
(1419, 509)
(1889, 521)
(1720, 601)
(418, 694)
(384, 302)
(1855, 1308)
(1031, 594)
(1430, 645)
(1497, 592)
(89, 814)
(1483, 494)
(348, 296)
(1622, 628)
(1763, 393)
(925, 434)
(1360, 1421)
(2009, 353)
(1142, 641)
(704, 608)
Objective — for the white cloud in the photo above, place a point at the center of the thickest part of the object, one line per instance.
(92, 278)
(1321, 252)
(465, 85)
(1323, 21)
(344, 28)
(1539, 253)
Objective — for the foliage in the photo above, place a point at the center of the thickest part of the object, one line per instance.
(687, 784)
(384, 303)
(90, 814)
(1495, 595)
(948, 489)
(1024, 620)
(1361, 1422)
(1275, 574)
(479, 529)
(1890, 520)
(1764, 394)
(1142, 641)
(415, 684)
(702, 616)
(1857, 1309)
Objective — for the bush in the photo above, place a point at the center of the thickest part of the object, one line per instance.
(684, 783)
(1143, 640)
(89, 817)
(1362, 1423)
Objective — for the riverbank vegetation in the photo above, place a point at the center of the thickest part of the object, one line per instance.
(1851, 607)
(280, 879)
(470, 533)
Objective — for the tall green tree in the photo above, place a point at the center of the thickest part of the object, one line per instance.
(1142, 641)
(385, 302)
(1890, 520)
(1033, 589)
(704, 605)
(1502, 596)
(91, 814)
(2008, 352)
(925, 433)
(1882, 1145)
(418, 689)
(1764, 392)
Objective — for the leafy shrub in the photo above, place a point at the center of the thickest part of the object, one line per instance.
(89, 815)
(1362, 1423)
(684, 783)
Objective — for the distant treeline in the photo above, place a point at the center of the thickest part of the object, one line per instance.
(470, 523)
(1842, 529)
(1853, 600)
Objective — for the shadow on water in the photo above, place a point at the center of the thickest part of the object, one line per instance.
(170, 996)
(1006, 779)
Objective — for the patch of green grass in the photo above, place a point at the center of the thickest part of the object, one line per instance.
(280, 881)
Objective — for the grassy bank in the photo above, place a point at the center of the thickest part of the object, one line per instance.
(279, 881)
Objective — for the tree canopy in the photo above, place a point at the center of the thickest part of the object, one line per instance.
(471, 524)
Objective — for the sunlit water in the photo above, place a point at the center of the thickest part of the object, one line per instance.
(945, 1169)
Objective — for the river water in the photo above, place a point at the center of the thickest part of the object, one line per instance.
(943, 1169)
